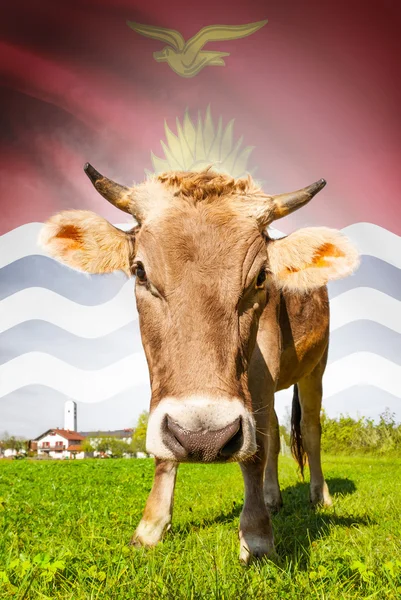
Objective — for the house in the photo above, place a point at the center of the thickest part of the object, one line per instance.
(9, 452)
(66, 443)
(59, 443)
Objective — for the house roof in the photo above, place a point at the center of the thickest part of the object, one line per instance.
(67, 434)
(74, 448)
(117, 433)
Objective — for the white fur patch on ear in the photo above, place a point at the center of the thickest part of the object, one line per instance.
(84, 241)
(311, 257)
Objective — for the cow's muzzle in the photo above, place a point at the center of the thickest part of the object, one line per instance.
(203, 445)
(201, 429)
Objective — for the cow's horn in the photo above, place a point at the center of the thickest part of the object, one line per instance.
(284, 204)
(118, 195)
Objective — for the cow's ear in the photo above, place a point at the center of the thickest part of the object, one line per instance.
(311, 257)
(84, 241)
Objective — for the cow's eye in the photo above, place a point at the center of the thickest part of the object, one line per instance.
(261, 278)
(140, 273)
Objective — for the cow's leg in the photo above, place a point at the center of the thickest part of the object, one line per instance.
(159, 506)
(272, 492)
(255, 532)
(310, 396)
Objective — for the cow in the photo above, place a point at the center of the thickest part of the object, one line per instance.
(228, 316)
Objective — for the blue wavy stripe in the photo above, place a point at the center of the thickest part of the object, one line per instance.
(42, 271)
(33, 409)
(374, 273)
(362, 400)
(365, 336)
(90, 290)
(90, 354)
(93, 354)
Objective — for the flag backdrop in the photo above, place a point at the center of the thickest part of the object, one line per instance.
(314, 92)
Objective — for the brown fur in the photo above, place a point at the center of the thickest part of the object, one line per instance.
(206, 185)
(210, 277)
(71, 233)
(207, 328)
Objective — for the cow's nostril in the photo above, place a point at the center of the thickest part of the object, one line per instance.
(203, 445)
(172, 440)
(234, 444)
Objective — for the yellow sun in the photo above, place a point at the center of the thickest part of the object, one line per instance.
(200, 144)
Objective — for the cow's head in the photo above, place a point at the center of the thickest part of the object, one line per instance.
(204, 268)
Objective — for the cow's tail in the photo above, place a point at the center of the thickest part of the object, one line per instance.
(297, 448)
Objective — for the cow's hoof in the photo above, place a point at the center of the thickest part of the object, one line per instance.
(320, 496)
(255, 546)
(136, 542)
(148, 534)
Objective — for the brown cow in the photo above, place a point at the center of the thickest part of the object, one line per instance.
(228, 316)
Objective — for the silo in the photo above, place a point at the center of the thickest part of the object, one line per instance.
(70, 415)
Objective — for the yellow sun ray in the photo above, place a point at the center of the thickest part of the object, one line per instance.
(199, 143)
(208, 131)
(174, 146)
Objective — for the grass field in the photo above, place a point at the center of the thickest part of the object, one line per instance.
(65, 528)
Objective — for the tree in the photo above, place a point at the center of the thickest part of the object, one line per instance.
(103, 444)
(285, 435)
(110, 445)
(87, 445)
(12, 443)
(118, 447)
(138, 443)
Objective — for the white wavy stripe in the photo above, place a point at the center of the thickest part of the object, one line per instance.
(98, 321)
(368, 304)
(83, 321)
(371, 240)
(376, 241)
(358, 369)
(361, 368)
(83, 386)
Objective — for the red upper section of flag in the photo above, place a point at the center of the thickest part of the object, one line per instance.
(316, 91)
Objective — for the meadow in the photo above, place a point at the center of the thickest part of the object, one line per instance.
(65, 528)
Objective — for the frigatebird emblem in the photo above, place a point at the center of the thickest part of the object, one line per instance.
(187, 59)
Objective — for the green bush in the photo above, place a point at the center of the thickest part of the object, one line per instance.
(347, 435)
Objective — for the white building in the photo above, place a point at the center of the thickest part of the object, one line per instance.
(70, 415)
(9, 452)
(59, 443)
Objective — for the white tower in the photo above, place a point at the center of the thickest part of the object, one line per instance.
(70, 415)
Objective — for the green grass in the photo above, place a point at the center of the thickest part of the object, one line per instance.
(65, 528)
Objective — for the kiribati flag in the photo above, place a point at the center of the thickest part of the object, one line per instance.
(287, 91)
